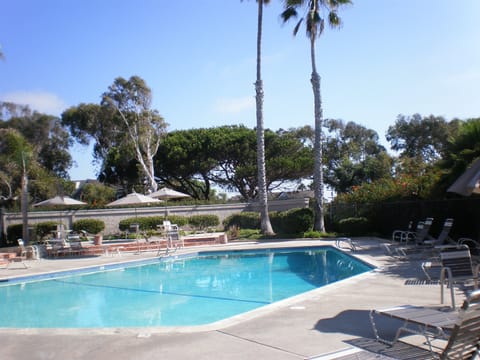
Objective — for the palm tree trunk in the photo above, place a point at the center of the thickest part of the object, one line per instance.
(317, 148)
(265, 225)
(24, 203)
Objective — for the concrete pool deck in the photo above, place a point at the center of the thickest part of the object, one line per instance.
(318, 322)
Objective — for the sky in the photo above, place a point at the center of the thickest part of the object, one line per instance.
(390, 57)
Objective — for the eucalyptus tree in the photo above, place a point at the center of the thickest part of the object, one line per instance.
(353, 156)
(92, 123)
(144, 126)
(422, 138)
(317, 12)
(265, 225)
(123, 123)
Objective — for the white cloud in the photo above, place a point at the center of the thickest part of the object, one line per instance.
(43, 102)
(234, 105)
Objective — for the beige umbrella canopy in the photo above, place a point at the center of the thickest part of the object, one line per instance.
(60, 201)
(134, 199)
(469, 182)
(166, 193)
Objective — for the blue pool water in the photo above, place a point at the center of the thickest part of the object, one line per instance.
(190, 290)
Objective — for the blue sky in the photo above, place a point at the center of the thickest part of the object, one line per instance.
(390, 57)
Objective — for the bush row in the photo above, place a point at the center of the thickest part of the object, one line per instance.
(294, 221)
(151, 222)
(43, 229)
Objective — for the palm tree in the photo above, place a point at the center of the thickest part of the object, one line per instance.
(265, 225)
(315, 22)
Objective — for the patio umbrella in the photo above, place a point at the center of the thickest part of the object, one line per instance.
(469, 182)
(60, 201)
(166, 194)
(134, 199)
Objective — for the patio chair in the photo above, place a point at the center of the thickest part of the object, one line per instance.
(422, 231)
(417, 238)
(463, 337)
(403, 235)
(76, 247)
(174, 239)
(474, 247)
(443, 237)
(457, 267)
(21, 255)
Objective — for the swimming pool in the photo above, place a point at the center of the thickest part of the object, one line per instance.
(177, 291)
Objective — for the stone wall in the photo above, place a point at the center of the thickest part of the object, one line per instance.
(112, 216)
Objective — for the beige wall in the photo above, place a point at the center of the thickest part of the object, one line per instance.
(111, 217)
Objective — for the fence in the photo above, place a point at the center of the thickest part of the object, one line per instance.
(386, 217)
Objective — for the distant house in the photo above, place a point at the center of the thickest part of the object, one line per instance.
(79, 184)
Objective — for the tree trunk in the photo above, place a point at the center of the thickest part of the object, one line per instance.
(265, 225)
(317, 148)
(24, 207)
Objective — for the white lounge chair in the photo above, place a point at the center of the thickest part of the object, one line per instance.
(457, 267)
(463, 338)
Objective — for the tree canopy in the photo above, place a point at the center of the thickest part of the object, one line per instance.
(226, 156)
(353, 155)
(123, 127)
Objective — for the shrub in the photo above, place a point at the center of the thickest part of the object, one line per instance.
(299, 220)
(244, 220)
(147, 223)
(92, 226)
(144, 223)
(177, 219)
(294, 221)
(14, 232)
(354, 226)
(204, 221)
(43, 229)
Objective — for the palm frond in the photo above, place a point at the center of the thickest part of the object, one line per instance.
(294, 3)
(315, 24)
(337, 3)
(297, 27)
(333, 19)
(289, 13)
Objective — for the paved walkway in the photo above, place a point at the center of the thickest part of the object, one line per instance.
(299, 328)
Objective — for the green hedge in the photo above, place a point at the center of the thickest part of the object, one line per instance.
(147, 223)
(294, 221)
(354, 226)
(203, 221)
(40, 231)
(44, 229)
(92, 226)
(14, 232)
(244, 220)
